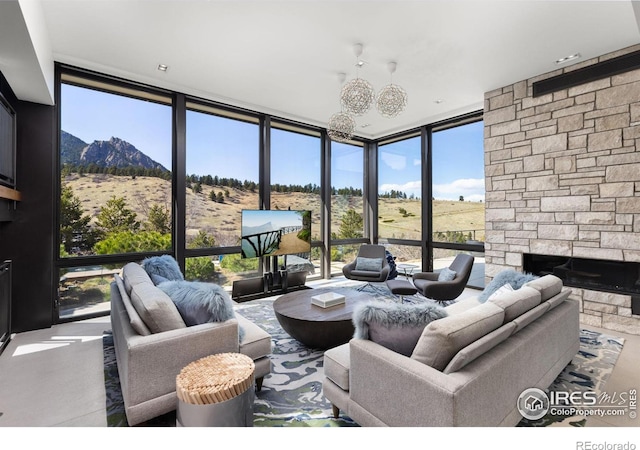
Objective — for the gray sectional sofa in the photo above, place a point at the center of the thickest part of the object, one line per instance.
(152, 344)
(467, 369)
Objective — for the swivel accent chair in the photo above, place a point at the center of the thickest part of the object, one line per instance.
(428, 285)
(370, 265)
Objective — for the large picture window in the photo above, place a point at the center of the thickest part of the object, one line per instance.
(347, 206)
(458, 194)
(400, 197)
(115, 182)
(295, 180)
(222, 165)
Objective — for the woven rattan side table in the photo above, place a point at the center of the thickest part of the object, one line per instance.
(216, 391)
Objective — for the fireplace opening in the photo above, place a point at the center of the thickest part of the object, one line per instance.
(622, 277)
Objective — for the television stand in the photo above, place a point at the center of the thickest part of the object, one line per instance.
(271, 283)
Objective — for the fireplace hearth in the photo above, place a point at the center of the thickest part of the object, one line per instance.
(621, 277)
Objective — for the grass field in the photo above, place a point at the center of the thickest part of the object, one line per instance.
(397, 218)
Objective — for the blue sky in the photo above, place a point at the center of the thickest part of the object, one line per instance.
(229, 148)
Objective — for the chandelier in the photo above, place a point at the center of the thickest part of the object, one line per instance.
(392, 99)
(356, 98)
(357, 95)
(341, 127)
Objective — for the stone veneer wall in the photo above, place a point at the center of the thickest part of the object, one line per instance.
(563, 178)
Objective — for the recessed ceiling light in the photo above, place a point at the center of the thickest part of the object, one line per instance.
(438, 101)
(365, 125)
(568, 58)
(162, 67)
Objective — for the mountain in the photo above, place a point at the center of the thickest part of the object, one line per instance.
(112, 153)
(70, 148)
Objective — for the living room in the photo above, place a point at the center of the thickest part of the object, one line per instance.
(558, 168)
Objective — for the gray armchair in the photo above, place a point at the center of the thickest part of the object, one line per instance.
(355, 271)
(428, 285)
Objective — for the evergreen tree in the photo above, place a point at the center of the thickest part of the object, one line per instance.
(159, 219)
(74, 226)
(351, 225)
(115, 217)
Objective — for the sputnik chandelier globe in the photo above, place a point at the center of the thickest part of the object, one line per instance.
(357, 95)
(341, 125)
(356, 98)
(392, 99)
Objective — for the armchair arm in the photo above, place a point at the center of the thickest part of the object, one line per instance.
(426, 276)
(154, 361)
(397, 390)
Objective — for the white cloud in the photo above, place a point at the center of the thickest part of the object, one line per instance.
(410, 187)
(472, 189)
(396, 162)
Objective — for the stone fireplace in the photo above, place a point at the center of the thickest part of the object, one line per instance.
(562, 174)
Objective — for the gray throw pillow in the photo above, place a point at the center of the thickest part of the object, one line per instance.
(199, 302)
(446, 274)
(368, 264)
(396, 326)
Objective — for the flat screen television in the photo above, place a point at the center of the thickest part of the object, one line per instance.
(275, 232)
(7, 143)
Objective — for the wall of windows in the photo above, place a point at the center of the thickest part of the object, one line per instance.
(144, 172)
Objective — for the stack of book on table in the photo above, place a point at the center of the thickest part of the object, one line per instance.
(327, 299)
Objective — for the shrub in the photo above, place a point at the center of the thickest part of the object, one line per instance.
(200, 269)
(130, 242)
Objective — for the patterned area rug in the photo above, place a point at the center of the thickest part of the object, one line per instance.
(291, 395)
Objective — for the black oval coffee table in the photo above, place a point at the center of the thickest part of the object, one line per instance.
(314, 326)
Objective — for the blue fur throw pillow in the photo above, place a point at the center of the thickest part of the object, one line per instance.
(164, 266)
(396, 326)
(199, 302)
(514, 278)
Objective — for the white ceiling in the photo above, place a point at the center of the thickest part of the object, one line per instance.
(283, 57)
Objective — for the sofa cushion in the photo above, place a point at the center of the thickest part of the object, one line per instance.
(155, 308)
(516, 302)
(502, 290)
(462, 305)
(396, 326)
(132, 274)
(199, 302)
(442, 339)
(480, 347)
(514, 278)
(337, 364)
(254, 341)
(531, 315)
(368, 264)
(163, 265)
(548, 285)
(134, 318)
